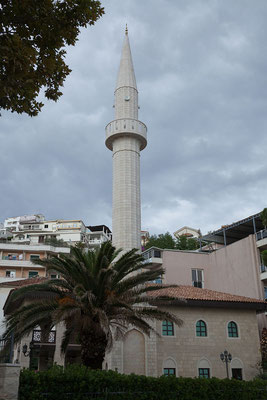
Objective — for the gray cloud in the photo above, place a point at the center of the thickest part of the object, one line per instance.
(201, 75)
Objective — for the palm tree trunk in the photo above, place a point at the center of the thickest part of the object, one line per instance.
(93, 348)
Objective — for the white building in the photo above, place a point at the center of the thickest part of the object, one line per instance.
(35, 229)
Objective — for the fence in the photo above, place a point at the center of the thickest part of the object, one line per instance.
(6, 351)
(259, 394)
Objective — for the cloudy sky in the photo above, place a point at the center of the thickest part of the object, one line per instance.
(201, 69)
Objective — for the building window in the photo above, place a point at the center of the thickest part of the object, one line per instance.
(265, 292)
(46, 226)
(169, 371)
(232, 329)
(197, 278)
(34, 257)
(10, 274)
(32, 274)
(201, 328)
(204, 372)
(167, 328)
(237, 373)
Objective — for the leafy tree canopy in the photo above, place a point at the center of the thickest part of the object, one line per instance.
(187, 243)
(163, 241)
(33, 35)
(166, 241)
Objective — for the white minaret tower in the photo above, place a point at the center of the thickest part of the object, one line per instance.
(126, 137)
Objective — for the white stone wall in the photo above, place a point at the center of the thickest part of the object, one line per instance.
(126, 203)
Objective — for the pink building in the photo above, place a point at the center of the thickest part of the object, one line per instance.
(233, 267)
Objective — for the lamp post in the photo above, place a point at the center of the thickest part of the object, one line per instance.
(25, 351)
(227, 358)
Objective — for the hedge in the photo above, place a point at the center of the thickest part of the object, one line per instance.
(78, 383)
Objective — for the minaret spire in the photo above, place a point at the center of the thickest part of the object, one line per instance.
(126, 137)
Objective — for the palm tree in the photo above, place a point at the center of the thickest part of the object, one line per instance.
(98, 296)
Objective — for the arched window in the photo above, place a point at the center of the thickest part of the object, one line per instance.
(167, 328)
(201, 328)
(169, 367)
(232, 329)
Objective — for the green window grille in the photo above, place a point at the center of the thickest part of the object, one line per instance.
(204, 372)
(32, 274)
(201, 328)
(167, 328)
(169, 371)
(232, 329)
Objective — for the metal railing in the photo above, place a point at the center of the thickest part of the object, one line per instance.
(39, 336)
(6, 350)
(261, 234)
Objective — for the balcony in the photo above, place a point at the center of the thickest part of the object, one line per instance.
(261, 239)
(39, 336)
(152, 258)
(126, 126)
(19, 264)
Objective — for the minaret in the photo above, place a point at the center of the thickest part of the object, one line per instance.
(126, 137)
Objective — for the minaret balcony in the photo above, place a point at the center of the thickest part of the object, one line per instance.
(126, 127)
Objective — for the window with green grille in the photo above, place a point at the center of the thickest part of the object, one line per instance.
(167, 328)
(232, 329)
(169, 371)
(201, 328)
(204, 372)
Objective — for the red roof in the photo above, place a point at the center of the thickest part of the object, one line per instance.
(194, 293)
(24, 282)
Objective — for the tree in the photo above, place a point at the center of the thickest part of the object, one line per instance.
(33, 35)
(187, 243)
(264, 217)
(163, 241)
(98, 297)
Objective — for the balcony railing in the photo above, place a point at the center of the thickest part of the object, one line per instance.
(39, 336)
(261, 234)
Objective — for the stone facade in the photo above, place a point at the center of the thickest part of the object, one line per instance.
(186, 352)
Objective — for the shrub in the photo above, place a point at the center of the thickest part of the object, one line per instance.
(79, 383)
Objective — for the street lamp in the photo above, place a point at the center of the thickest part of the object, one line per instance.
(25, 349)
(227, 358)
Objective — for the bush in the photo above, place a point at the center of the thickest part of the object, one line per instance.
(79, 383)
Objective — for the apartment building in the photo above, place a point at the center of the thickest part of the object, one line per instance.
(35, 229)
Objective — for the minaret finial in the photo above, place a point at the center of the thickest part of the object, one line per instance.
(126, 30)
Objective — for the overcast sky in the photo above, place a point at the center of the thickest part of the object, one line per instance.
(201, 70)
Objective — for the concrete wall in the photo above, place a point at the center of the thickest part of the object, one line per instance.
(9, 381)
(232, 269)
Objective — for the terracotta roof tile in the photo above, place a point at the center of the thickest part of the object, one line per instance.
(193, 293)
(23, 282)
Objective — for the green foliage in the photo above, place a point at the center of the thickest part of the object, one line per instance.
(33, 35)
(187, 243)
(264, 257)
(78, 380)
(264, 217)
(163, 241)
(166, 241)
(96, 299)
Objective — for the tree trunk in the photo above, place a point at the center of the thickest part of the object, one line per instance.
(93, 348)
